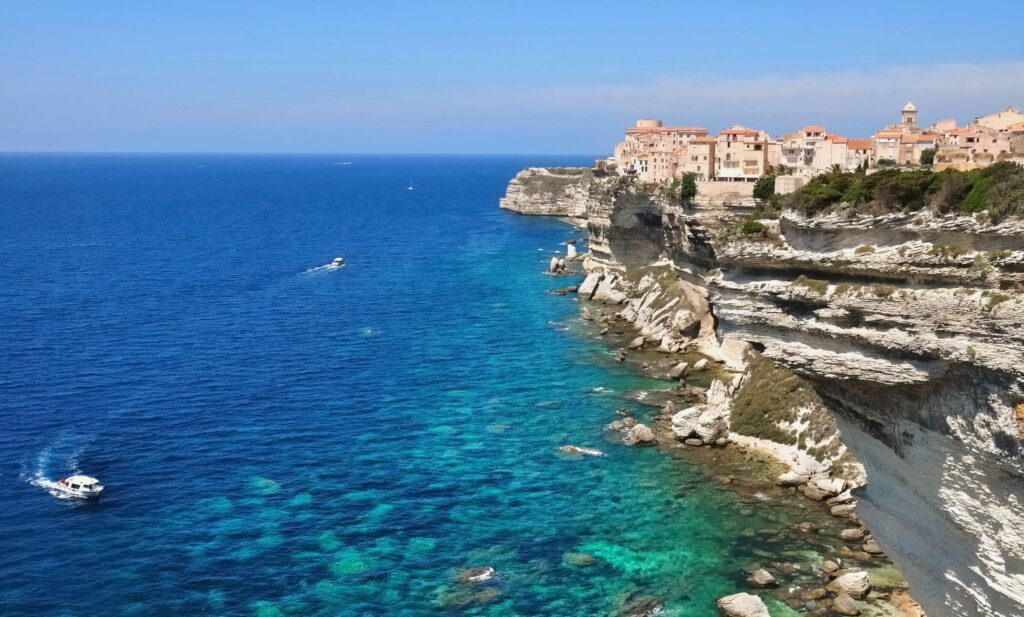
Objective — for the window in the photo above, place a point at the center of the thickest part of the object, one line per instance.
(75, 486)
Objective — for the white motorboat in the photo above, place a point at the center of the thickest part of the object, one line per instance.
(81, 487)
(337, 262)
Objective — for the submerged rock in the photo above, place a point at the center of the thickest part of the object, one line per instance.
(636, 343)
(845, 605)
(476, 575)
(578, 451)
(763, 578)
(640, 435)
(856, 584)
(742, 605)
(854, 534)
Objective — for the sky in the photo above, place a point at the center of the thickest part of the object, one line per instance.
(485, 77)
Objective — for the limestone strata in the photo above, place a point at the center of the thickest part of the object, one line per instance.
(898, 338)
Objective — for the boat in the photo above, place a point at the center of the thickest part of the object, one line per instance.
(337, 262)
(410, 185)
(79, 486)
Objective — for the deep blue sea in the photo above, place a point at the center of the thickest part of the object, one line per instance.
(278, 439)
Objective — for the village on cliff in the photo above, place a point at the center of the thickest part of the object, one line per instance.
(740, 156)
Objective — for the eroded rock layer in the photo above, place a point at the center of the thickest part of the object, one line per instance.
(899, 339)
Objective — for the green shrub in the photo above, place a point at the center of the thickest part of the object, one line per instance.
(687, 187)
(948, 251)
(818, 286)
(928, 156)
(994, 192)
(864, 249)
(885, 163)
(764, 188)
(882, 290)
(842, 289)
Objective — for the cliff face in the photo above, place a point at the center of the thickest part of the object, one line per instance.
(904, 327)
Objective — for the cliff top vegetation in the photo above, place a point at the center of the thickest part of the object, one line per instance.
(997, 190)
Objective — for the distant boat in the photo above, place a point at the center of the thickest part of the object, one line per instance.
(81, 487)
(410, 185)
(337, 262)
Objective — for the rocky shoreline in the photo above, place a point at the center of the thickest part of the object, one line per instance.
(690, 421)
(884, 350)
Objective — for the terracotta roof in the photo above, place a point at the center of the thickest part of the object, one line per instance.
(739, 131)
(888, 134)
(667, 129)
(837, 139)
(814, 129)
(858, 144)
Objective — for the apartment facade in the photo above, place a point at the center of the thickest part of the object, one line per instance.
(653, 152)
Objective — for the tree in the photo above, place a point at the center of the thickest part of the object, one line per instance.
(764, 188)
(928, 156)
(688, 187)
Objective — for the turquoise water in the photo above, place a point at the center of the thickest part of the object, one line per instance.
(282, 440)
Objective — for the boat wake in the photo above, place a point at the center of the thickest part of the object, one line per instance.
(336, 264)
(37, 473)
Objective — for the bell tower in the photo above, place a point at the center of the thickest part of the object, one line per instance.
(908, 116)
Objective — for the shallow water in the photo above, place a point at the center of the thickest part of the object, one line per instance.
(281, 440)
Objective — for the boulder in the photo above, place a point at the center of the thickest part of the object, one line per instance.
(763, 578)
(828, 486)
(871, 547)
(570, 252)
(828, 566)
(845, 510)
(686, 323)
(845, 605)
(607, 291)
(792, 478)
(640, 435)
(589, 285)
(636, 343)
(553, 266)
(679, 371)
(814, 594)
(700, 365)
(854, 534)
(742, 605)
(813, 492)
(620, 355)
(586, 314)
(855, 584)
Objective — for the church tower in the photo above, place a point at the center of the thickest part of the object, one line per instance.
(909, 116)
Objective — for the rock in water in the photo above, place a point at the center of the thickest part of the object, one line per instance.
(679, 371)
(763, 578)
(855, 584)
(636, 343)
(700, 365)
(553, 266)
(742, 605)
(853, 534)
(640, 435)
(476, 575)
(570, 252)
(845, 605)
(577, 451)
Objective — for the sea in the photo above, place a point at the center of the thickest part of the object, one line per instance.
(277, 437)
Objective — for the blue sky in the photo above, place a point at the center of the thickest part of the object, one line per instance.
(460, 76)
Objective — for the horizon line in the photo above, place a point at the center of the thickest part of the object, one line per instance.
(284, 153)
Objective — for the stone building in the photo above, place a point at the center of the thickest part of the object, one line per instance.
(742, 154)
(653, 152)
(700, 158)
